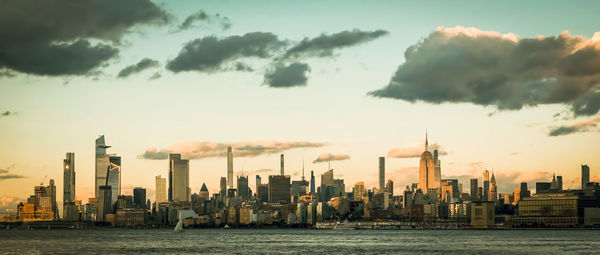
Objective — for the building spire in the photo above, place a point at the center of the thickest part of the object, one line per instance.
(426, 141)
(303, 168)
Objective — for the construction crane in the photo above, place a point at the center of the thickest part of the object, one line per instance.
(42, 183)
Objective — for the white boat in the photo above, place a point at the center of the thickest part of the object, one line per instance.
(179, 226)
(226, 226)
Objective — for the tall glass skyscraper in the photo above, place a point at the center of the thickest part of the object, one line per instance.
(229, 167)
(69, 209)
(179, 178)
(102, 164)
(114, 176)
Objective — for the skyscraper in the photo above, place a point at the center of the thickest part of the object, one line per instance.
(279, 188)
(104, 202)
(139, 197)
(486, 185)
(69, 209)
(427, 175)
(161, 190)
(258, 182)
(282, 173)
(229, 167)
(312, 182)
(389, 187)
(242, 187)
(474, 189)
(381, 173)
(179, 178)
(358, 191)
(493, 195)
(102, 164)
(114, 176)
(585, 175)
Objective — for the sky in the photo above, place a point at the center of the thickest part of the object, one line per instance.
(507, 86)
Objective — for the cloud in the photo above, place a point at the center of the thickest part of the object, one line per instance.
(9, 204)
(53, 37)
(155, 76)
(136, 68)
(324, 45)
(414, 150)
(468, 65)
(326, 157)
(200, 150)
(208, 54)
(7, 73)
(7, 113)
(285, 76)
(582, 126)
(203, 16)
(506, 180)
(6, 175)
(251, 172)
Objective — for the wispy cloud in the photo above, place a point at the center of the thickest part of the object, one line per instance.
(6, 175)
(7, 113)
(414, 150)
(199, 150)
(325, 157)
(582, 126)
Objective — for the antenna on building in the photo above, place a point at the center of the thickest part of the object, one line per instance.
(303, 168)
(42, 183)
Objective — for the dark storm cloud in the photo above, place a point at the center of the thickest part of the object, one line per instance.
(52, 37)
(203, 16)
(467, 65)
(285, 76)
(582, 126)
(136, 68)
(324, 45)
(209, 53)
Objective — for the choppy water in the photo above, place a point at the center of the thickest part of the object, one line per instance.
(292, 241)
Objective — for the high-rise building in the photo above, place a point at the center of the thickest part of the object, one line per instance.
(312, 182)
(203, 193)
(493, 195)
(486, 185)
(428, 179)
(229, 167)
(279, 188)
(282, 165)
(161, 190)
(258, 182)
(585, 175)
(102, 164)
(70, 211)
(114, 176)
(104, 203)
(179, 178)
(474, 188)
(381, 173)
(559, 181)
(327, 178)
(139, 198)
(389, 187)
(359, 190)
(242, 187)
(524, 192)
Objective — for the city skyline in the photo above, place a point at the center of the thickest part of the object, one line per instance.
(349, 105)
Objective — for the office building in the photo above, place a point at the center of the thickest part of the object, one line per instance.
(161, 190)
(493, 193)
(358, 191)
(105, 203)
(279, 188)
(474, 189)
(203, 193)
(428, 177)
(541, 187)
(312, 182)
(242, 188)
(179, 178)
(389, 187)
(139, 198)
(258, 182)
(381, 173)
(524, 192)
(585, 175)
(70, 211)
(114, 175)
(102, 164)
(229, 167)
(282, 165)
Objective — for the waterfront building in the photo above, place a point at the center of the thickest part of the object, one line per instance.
(161, 189)
(585, 175)
(139, 198)
(564, 209)
(70, 211)
(179, 178)
(130, 218)
(483, 214)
